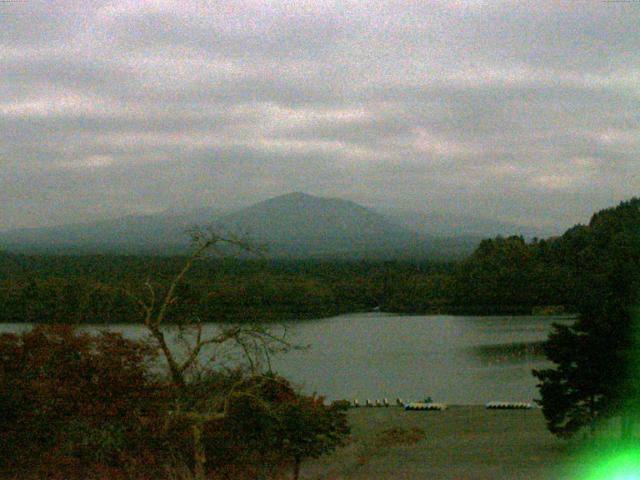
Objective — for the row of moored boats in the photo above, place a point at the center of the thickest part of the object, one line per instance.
(428, 405)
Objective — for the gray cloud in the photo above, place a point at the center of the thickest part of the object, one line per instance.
(525, 111)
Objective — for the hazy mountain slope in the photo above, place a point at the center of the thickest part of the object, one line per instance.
(303, 224)
(131, 234)
(292, 225)
(451, 225)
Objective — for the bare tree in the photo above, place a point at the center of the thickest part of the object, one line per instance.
(254, 341)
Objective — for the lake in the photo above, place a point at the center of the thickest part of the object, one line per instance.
(452, 359)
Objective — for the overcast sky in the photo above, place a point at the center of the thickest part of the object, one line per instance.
(523, 111)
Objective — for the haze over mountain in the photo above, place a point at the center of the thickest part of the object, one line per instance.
(291, 225)
(453, 225)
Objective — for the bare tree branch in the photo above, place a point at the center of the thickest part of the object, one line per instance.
(254, 341)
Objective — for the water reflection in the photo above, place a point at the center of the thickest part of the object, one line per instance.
(462, 360)
(508, 353)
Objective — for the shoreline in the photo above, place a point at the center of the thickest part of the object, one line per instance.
(382, 313)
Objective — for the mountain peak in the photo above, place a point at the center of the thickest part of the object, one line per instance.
(295, 200)
(295, 196)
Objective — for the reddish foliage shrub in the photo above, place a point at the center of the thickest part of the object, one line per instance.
(270, 427)
(76, 405)
(73, 401)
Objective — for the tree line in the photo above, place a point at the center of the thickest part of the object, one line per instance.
(75, 289)
(503, 275)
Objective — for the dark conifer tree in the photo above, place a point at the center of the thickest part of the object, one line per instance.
(595, 360)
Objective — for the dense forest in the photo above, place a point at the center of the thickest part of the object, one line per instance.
(503, 275)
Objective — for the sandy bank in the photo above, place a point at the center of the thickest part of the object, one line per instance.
(463, 442)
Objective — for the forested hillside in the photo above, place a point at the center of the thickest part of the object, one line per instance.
(594, 361)
(508, 272)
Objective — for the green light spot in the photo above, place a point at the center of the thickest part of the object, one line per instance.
(613, 465)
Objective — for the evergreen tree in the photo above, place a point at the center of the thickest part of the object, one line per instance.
(595, 360)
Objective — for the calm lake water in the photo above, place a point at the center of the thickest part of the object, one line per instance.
(453, 359)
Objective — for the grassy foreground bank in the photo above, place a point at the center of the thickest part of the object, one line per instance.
(463, 442)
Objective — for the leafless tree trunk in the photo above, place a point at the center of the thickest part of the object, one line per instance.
(296, 467)
(199, 454)
(253, 341)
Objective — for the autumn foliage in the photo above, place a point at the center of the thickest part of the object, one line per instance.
(76, 405)
(72, 401)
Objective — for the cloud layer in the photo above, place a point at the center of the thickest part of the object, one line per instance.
(522, 111)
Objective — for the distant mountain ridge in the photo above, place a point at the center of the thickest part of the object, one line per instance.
(295, 225)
